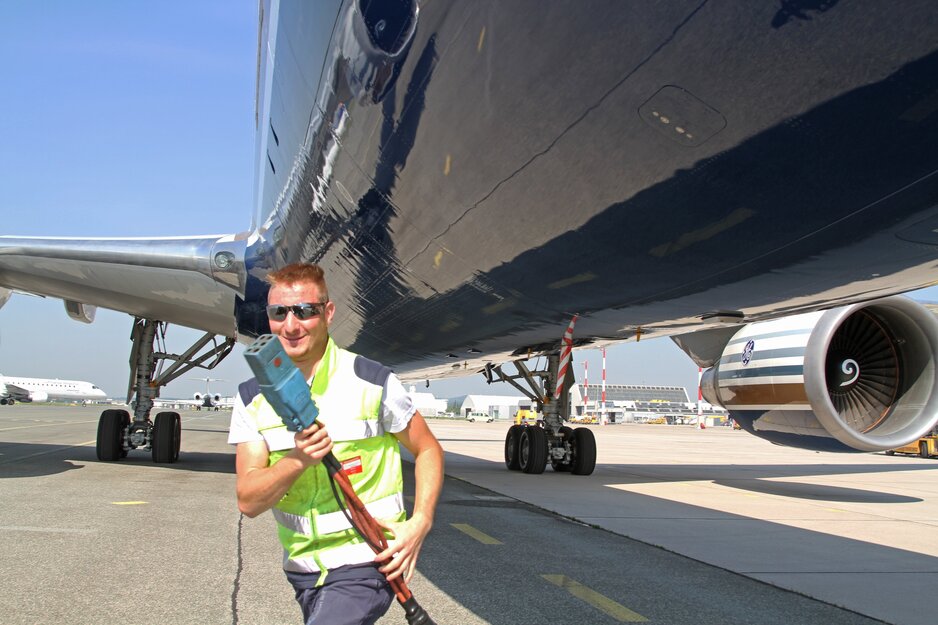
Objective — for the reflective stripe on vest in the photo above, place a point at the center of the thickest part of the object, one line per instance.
(314, 532)
(387, 508)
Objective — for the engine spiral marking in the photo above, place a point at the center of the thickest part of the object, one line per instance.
(850, 367)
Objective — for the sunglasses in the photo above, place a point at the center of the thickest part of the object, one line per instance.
(306, 310)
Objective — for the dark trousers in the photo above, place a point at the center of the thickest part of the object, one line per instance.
(351, 595)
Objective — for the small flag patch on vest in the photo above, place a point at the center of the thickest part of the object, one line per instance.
(352, 465)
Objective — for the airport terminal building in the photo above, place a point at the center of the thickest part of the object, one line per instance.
(625, 403)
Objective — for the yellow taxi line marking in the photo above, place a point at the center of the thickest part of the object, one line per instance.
(482, 537)
(598, 601)
(128, 503)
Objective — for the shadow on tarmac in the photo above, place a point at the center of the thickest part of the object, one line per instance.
(36, 459)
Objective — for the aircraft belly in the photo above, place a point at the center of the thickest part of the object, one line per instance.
(675, 159)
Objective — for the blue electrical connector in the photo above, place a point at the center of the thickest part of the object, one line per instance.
(281, 382)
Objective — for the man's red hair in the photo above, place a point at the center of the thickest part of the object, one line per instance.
(299, 273)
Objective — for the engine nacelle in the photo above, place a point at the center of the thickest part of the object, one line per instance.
(39, 396)
(859, 377)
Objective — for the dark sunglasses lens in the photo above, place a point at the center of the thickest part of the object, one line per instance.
(277, 313)
(305, 311)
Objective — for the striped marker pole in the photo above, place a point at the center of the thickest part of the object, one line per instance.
(602, 418)
(565, 353)
(586, 387)
(700, 423)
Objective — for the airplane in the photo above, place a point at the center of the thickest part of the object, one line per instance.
(14, 389)
(209, 400)
(757, 181)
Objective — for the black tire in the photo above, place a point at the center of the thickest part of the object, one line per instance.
(890, 452)
(584, 452)
(559, 465)
(532, 450)
(110, 444)
(511, 447)
(167, 433)
(125, 420)
(923, 449)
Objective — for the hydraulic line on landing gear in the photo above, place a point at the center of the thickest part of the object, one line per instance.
(287, 392)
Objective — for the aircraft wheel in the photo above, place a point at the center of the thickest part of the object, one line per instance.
(512, 441)
(125, 423)
(167, 433)
(890, 452)
(584, 451)
(533, 450)
(110, 434)
(559, 465)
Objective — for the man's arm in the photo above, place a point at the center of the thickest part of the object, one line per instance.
(260, 487)
(428, 478)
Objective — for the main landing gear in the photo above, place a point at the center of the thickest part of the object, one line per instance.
(528, 448)
(118, 433)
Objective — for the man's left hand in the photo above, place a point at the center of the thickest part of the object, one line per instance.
(400, 558)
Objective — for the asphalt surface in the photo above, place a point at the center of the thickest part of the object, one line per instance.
(133, 542)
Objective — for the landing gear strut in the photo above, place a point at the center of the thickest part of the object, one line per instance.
(117, 432)
(528, 448)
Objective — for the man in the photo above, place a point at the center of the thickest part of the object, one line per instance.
(365, 412)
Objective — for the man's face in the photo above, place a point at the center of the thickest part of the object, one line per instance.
(304, 340)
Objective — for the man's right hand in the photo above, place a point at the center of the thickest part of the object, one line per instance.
(312, 444)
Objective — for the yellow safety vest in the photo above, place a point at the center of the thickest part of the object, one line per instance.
(316, 536)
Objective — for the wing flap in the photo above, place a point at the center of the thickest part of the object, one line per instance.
(169, 279)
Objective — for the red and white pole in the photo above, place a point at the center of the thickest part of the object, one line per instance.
(700, 423)
(602, 410)
(565, 353)
(586, 387)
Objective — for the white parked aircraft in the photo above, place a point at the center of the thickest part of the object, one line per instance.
(13, 390)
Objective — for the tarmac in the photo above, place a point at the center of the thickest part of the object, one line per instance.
(676, 525)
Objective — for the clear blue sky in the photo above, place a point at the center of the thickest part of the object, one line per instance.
(137, 119)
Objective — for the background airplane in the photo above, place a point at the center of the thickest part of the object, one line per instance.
(468, 198)
(14, 389)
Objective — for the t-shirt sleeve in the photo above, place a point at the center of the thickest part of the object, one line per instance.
(242, 430)
(398, 406)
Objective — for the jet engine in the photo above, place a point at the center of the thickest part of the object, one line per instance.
(860, 377)
(201, 397)
(39, 396)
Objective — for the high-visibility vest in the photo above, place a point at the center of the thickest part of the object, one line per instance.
(315, 533)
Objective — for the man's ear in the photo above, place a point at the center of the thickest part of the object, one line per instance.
(329, 311)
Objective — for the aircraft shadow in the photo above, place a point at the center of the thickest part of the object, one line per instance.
(809, 549)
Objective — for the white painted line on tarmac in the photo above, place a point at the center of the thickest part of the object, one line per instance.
(50, 451)
(45, 530)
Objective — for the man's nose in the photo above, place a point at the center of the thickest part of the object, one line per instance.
(290, 322)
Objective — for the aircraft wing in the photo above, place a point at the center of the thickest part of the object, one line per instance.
(190, 281)
(16, 392)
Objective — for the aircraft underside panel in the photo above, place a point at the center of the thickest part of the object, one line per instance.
(505, 165)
